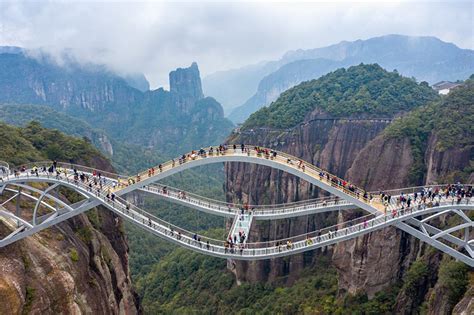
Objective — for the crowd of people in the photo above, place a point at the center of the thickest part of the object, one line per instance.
(95, 182)
(428, 196)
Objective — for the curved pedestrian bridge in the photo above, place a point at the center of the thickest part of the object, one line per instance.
(416, 216)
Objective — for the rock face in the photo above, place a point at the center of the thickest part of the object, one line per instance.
(79, 266)
(359, 152)
(185, 86)
(330, 143)
(72, 268)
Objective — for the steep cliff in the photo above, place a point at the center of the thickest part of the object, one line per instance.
(160, 120)
(330, 143)
(185, 87)
(362, 152)
(79, 266)
(436, 139)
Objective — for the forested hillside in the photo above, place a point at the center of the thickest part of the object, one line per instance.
(126, 158)
(366, 91)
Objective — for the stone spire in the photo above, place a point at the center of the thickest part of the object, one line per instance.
(185, 86)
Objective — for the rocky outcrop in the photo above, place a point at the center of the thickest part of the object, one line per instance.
(441, 164)
(330, 143)
(185, 87)
(466, 305)
(71, 268)
(382, 164)
(359, 152)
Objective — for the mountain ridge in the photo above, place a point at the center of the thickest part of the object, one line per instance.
(157, 119)
(426, 58)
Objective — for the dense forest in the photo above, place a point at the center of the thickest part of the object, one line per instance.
(359, 91)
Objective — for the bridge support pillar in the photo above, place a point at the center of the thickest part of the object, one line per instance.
(18, 208)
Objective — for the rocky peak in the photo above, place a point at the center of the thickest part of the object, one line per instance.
(185, 85)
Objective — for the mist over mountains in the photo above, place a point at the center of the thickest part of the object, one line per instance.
(165, 121)
(243, 91)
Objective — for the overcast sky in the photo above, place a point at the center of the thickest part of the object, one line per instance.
(156, 37)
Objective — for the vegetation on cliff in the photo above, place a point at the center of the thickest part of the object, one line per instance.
(34, 143)
(359, 91)
(450, 119)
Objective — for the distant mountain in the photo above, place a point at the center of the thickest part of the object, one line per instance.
(287, 76)
(425, 58)
(233, 87)
(138, 81)
(167, 121)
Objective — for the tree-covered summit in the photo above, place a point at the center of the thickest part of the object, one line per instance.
(358, 91)
(34, 143)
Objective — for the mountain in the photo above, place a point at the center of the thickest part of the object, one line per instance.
(363, 91)
(78, 266)
(126, 158)
(286, 76)
(168, 121)
(233, 87)
(430, 143)
(425, 58)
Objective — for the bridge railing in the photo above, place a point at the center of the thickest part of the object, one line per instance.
(119, 203)
(351, 226)
(69, 166)
(234, 207)
(4, 168)
(256, 151)
(166, 227)
(317, 172)
(258, 248)
(417, 189)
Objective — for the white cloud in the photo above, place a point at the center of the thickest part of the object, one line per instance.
(156, 37)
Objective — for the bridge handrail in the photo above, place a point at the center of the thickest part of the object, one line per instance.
(333, 180)
(343, 227)
(418, 189)
(70, 166)
(165, 224)
(359, 223)
(122, 204)
(253, 208)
